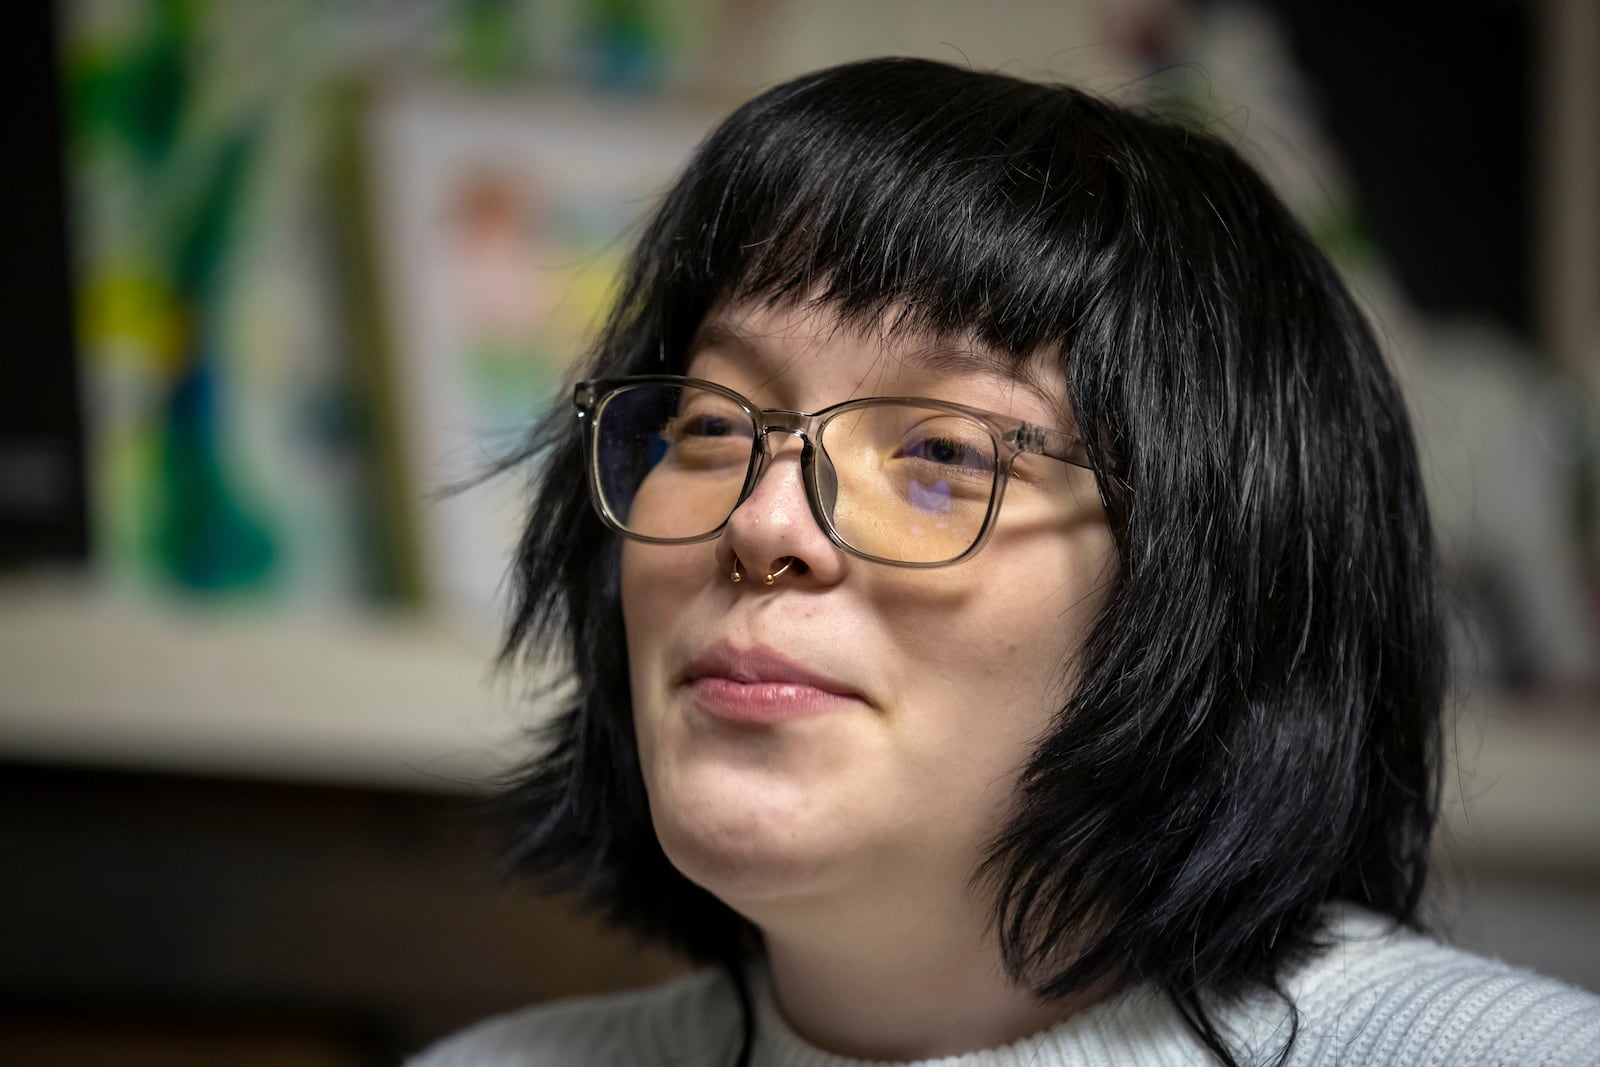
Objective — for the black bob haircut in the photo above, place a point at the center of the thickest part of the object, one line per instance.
(1255, 728)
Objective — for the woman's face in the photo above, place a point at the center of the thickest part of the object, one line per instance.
(854, 727)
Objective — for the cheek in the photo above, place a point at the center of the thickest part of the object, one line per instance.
(652, 600)
(638, 600)
(637, 633)
(1014, 629)
(996, 663)
(654, 584)
(664, 590)
(635, 590)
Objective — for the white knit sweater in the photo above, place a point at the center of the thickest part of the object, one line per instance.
(1377, 998)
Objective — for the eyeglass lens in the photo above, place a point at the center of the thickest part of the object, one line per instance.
(898, 481)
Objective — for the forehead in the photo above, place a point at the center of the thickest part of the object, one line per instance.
(809, 349)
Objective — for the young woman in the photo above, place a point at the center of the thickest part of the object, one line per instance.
(989, 547)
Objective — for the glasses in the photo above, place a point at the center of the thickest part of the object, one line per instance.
(900, 480)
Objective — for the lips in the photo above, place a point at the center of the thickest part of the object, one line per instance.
(758, 685)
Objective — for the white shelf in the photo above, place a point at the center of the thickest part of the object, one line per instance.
(370, 699)
(412, 702)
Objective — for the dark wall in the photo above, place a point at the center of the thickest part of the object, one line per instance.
(1432, 104)
(42, 506)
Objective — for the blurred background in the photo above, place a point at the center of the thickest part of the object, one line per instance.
(285, 274)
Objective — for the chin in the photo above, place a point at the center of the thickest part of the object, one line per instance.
(742, 842)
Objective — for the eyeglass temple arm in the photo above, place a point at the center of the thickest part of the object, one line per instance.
(1052, 443)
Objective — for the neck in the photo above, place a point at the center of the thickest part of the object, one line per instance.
(901, 984)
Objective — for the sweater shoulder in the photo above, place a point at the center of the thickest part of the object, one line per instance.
(1380, 995)
(692, 1020)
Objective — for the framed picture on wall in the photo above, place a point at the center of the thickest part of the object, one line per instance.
(496, 226)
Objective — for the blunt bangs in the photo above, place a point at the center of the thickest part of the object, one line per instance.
(950, 198)
(880, 187)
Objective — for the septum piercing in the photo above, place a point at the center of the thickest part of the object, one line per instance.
(766, 579)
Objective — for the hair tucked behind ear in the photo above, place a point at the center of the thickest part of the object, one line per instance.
(1254, 730)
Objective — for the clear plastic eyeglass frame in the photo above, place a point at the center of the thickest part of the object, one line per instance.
(1012, 437)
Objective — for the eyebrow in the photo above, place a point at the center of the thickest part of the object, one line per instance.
(937, 357)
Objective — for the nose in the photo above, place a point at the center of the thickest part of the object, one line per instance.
(775, 528)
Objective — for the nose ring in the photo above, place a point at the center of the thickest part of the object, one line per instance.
(766, 579)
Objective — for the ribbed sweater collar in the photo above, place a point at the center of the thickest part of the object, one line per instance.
(1134, 1027)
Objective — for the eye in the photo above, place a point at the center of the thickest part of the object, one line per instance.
(702, 425)
(708, 438)
(948, 451)
(702, 420)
